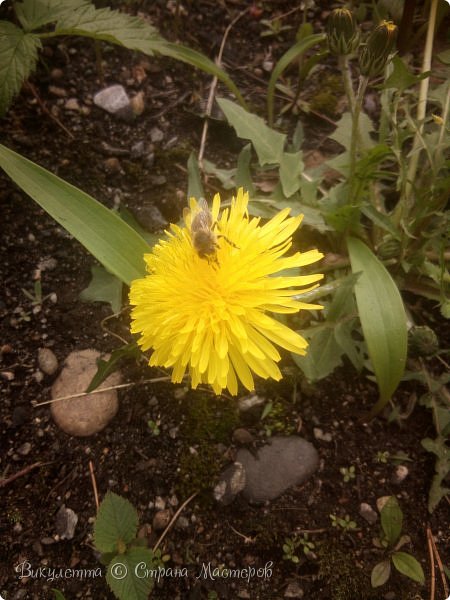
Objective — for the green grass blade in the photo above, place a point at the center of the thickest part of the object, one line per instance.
(383, 319)
(293, 52)
(114, 243)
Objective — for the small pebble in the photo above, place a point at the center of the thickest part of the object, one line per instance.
(320, 435)
(47, 361)
(161, 520)
(242, 436)
(156, 135)
(24, 449)
(400, 473)
(160, 503)
(293, 590)
(368, 513)
(72, 104)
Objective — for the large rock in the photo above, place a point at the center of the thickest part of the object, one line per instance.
(284, 462)
(88, 414)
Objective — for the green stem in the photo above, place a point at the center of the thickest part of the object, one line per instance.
(406, 202)
(355, 137)
(344, 66)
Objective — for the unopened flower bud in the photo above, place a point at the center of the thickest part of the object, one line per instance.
(342, 31)
(389, 248)
(422, 341)
(375, 54)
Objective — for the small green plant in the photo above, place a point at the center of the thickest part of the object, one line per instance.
(291, 545)
(346, 524)
(391, 541)
(154, 426)
(131, 566)
(36, 297)
(275, 418)
(382, 457)
(348, 473)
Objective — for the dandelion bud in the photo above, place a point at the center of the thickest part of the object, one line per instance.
(389, 248)
(374, 55)
(342, 31)
(422, 341)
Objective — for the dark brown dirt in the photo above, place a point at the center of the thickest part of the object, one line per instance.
(127, 458)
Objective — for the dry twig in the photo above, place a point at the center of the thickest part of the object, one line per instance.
(94, 483)
(7, 480)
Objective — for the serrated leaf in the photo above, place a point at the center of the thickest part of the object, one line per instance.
(391, 520)
(409, 566)
(18, 57)
(401, 78)
(323, 356)
(58, 595)
(243, 173)
(108, 25)
(116, 523)
(291, 168)
(442, 468)
(343, 132)
(113, 243)
(103, 287)
(106, 367)
(225, 176)
(383, 319)
(33, 14)
(380, 573)
(195, 185)
(128, 574)
(267, 142)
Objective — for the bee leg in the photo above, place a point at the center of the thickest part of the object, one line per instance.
(228, 241)
(216, 224)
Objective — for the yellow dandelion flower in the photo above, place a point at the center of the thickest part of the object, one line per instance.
(210, 315)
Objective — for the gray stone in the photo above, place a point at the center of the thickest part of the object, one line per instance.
(232, 481)
(368, 513)
(249, 403)
(161, 519)
(114, 100)
(66, 521)
(149, 216)
(156, 135)
(283, 463)
(87, 414)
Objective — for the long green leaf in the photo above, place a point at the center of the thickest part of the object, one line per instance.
(383, 319)
(18, 56)
(296, 50)
(114, 243)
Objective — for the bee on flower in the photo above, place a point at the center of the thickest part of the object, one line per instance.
(205, 306)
